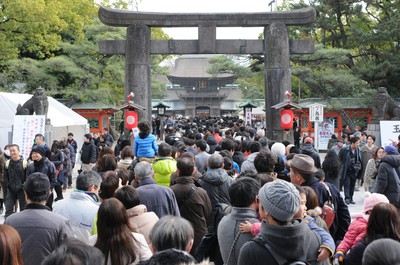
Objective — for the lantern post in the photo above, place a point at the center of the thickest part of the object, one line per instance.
(161, 113)
(247, 109)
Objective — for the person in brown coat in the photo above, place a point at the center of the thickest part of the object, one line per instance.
(194, 203)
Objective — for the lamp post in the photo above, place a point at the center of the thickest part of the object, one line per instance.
(161, 113)
(247, 109)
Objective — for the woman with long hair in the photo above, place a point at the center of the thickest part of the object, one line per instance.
(331, 167)
(10, 246)
(383, 222)
(115, 238)
(372, 167)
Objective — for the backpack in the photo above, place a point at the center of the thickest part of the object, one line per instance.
(278, 258)
(24, 164)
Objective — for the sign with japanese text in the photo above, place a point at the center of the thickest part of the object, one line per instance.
(326, 129)
(316, 112)
(24, 131)
(390, 131)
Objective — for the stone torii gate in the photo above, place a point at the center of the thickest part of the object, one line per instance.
(276, 48)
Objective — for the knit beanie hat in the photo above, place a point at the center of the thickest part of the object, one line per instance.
(38, 149)
(370, 200)
(280, 199)
(391, 150)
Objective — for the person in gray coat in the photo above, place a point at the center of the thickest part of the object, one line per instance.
(243, 194)
(41, 230)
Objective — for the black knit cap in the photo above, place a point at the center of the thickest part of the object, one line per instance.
(37, 184)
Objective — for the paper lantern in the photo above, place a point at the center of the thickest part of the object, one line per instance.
(131, 118)
(287, 119)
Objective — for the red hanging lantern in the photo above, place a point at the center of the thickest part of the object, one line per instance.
(287, 119)
(131, 118)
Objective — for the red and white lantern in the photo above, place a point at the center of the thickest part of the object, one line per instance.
(131, 118)
(287, 119)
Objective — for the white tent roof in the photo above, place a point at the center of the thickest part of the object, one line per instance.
(58, 113)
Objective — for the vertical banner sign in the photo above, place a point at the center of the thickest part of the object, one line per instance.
(24, 131)
(248, 117)
(326, 129)
(316, 114)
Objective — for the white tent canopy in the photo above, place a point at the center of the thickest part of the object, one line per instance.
(63, 119)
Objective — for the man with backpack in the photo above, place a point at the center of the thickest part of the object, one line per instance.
(281, 240)
(15, 175)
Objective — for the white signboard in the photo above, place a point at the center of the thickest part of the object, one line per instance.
(24, 131)
(248, 117)
(390, 131)
(316, 112)
(326, 129)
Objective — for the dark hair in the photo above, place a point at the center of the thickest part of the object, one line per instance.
(188, 155)
(320, 175)
(227, 144)
(74, 252)
(372, 136)
(243, 191)
(354, 139)
(123, 174)
(70, 134)
(375, 154)
(106, 150)
(127, 151)
(128, 196)
(10, 246)
(114, 233)
(164, 149)
(331, 165)
(255, 147)
(106, 163)
(185, 166)
(383, 222)
(88, 136)
(109, 185)
(144, 128)
(55, 147)
(312, 197)
(201, 144)
(265, 162)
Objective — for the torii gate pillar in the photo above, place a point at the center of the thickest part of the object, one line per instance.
(277, 75)
(138, 67)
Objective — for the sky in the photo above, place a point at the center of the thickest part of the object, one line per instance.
(207, 6)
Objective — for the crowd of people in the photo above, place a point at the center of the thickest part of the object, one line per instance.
(213, 192)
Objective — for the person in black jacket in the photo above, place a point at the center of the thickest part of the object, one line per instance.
(88, 153)
(15, 176)
(43, 165)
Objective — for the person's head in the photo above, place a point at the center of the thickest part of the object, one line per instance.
(340, 142)
(10, 246)
(391, 150)
(124, 175)
(143, 170)
(371, 139)
(228, 144)
(320, 175)
(265, 162)
(278, 149)
(202, 145)
(106, 162)
(301, 212)
(185, 166)
(384, 251)
(243, 193)
(164, 149)
(215, 161)
(70, 136)
(254, 147)
(354, 142)
(105, 131)
(331, 165)
(38, 153)
(39, 139)
(128, 196)
(109, 185)
(301, 169)
(115, 233)
(171, 232)
(308, 140)
(14, 152)
(55, 146)
(74, 252)
(88, 181)
(144, 127)
(311, 197)
(37, 188)
(370, 200)
(87, 138)
(279, 201)
(384, 221)
(379, 153)
(127, 152)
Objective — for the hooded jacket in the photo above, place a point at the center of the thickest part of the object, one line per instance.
(387, 180)
(309, 150)
(249, 163)
(163, 168)
(142, 220)
(291, 242)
